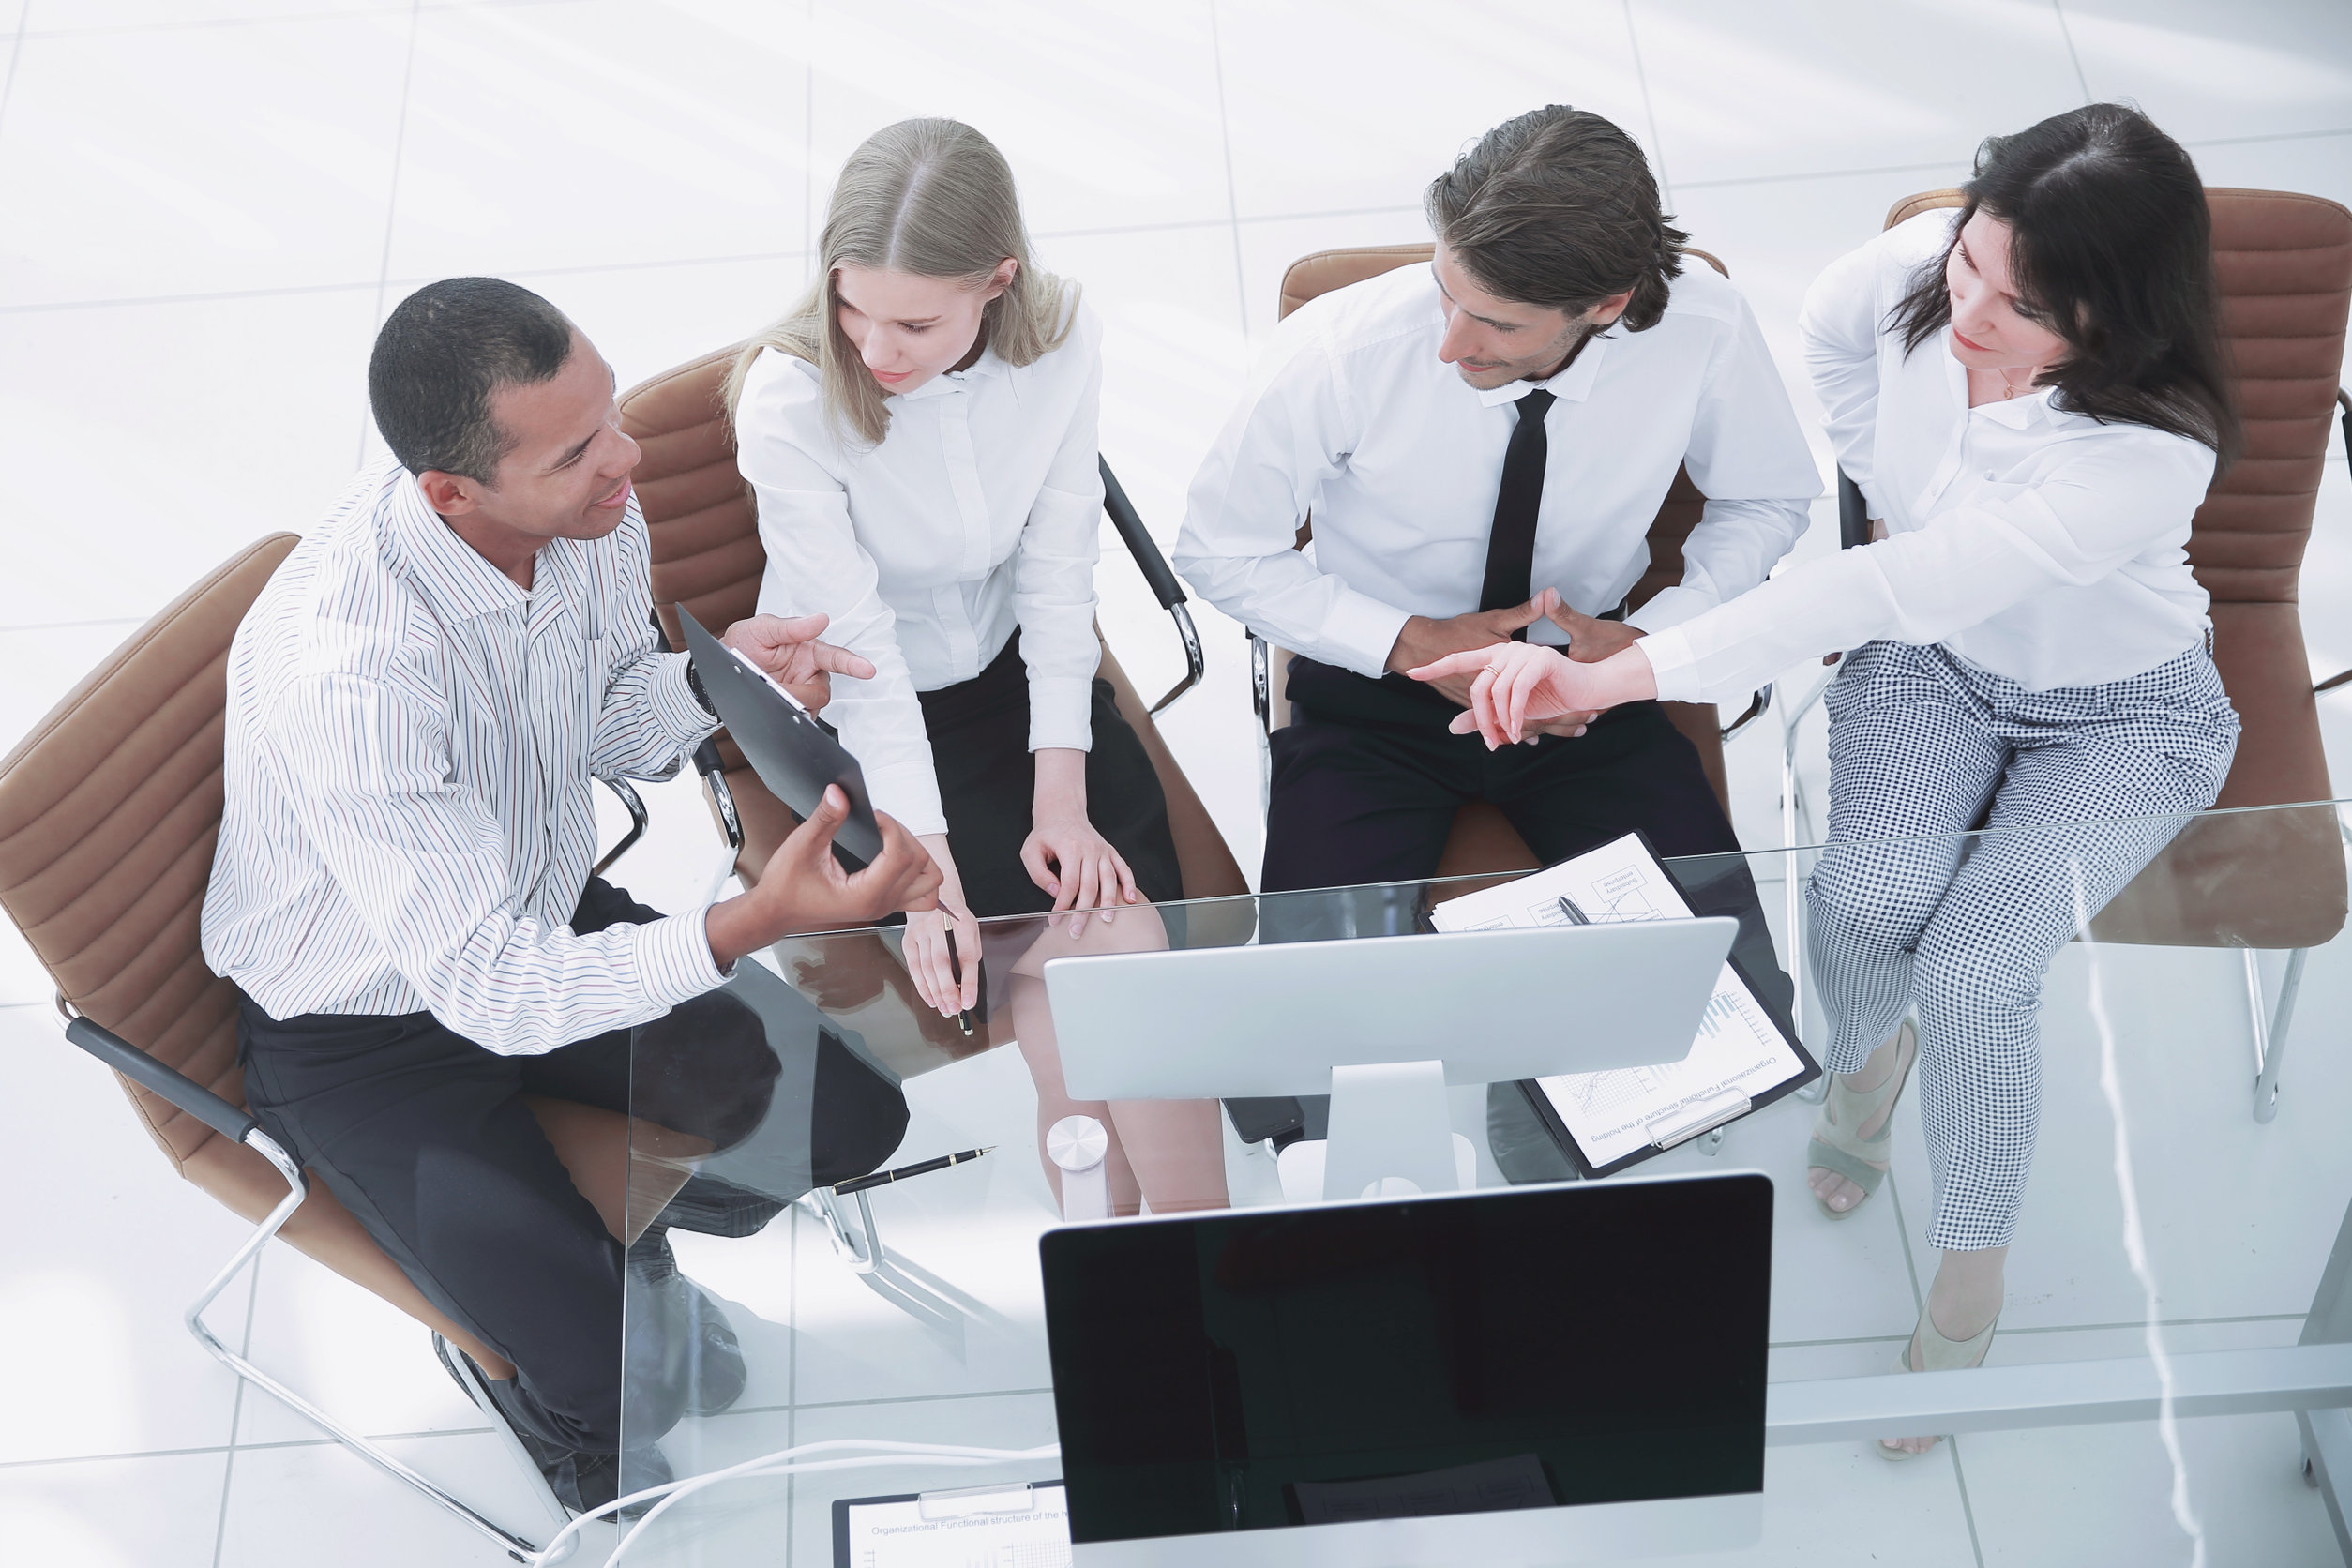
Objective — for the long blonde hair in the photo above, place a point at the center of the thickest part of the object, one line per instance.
(933, 198)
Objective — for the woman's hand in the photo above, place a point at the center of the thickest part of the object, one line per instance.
(927, 962)
(789, 650)
(1520, 684)
(1063, 853)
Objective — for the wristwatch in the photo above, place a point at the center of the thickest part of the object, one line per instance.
(694, 683)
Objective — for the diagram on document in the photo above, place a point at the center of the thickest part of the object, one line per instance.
(1737, 1056)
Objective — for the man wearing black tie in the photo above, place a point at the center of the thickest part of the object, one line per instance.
(1484, 444)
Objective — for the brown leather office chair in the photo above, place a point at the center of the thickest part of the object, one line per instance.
(2265, 879)
(1482, 839)
(108, 810)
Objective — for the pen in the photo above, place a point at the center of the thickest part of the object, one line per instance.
(955, 974)
(921, 1168)
(1575, 916)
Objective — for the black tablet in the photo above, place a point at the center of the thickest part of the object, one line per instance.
(794, 756)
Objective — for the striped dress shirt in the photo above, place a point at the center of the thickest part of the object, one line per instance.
(411, 738)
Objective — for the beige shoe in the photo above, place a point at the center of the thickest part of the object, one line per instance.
(1836, 1148)
(1937, 1354)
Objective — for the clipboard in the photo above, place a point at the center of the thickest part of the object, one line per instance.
(1692, 1121)
(969, 1524)
(794, 756)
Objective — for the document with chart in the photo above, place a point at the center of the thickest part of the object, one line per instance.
(1740, 1060)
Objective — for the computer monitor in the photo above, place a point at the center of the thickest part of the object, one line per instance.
(1532, 1376)
(1383, 1024)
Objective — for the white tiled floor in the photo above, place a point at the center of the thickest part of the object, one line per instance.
(211, 202)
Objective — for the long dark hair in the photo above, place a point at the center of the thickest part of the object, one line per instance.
(2112, 248)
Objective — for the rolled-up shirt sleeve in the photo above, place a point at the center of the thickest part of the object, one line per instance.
(1054, 574)
(2087, 516)
(1238, 547)
(423, 862)
(1748, 456)
(817, 566)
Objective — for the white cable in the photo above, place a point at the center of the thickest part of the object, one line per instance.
(770, 1464)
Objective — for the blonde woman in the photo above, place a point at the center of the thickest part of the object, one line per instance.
(920, 435)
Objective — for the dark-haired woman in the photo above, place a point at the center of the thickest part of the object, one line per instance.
(2029, 392)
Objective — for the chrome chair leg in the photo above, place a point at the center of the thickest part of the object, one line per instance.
(297, 1189)
(2269, 1037)
(861, 1245)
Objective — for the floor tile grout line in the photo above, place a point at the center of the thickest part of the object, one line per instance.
(2073, 55)
(1224, 142)
(392, 198)
(1648, 108)
(239, 1448)
(237, 1410)
(16, 52)
(1967, 1509)
(1236, 221)
(130, 28)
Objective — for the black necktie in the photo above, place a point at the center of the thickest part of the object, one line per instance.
(1511, 545)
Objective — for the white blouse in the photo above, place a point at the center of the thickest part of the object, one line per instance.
(977, 514)
(2038, 545)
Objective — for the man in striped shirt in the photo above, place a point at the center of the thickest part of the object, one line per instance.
(417, 704)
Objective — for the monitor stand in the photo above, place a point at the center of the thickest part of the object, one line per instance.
(1392, 1135)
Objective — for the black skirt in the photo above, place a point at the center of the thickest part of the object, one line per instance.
(987, 782)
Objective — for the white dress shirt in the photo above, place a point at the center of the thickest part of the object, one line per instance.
(977, 514)
(2038, 545)
(408, 822)
(1352, 414)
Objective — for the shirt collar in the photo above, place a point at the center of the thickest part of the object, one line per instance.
(444, 570)
(952, 381)
(1572, 386)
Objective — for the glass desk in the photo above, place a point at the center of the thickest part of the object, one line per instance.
(2177, 1292)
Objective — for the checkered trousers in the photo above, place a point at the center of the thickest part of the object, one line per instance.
(2085, 784)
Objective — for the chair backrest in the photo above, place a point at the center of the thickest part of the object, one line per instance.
(2284, 265)
(107, 814)
(109, 811)
(706, 554)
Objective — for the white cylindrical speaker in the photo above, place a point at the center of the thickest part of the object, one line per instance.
(1078, 1144)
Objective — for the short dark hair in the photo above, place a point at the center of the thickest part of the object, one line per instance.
(442, 353)
(1559, 208)
(2111, 245)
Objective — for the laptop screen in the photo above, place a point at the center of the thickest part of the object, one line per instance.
(1507, 1348)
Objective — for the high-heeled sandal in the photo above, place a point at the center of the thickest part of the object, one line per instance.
(1843, 1112)
(1937, 1354)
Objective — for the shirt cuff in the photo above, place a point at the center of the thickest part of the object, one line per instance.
(1361, 633)
(909, 793)
(1669, 607)
(673, 958)
(1060, 712)
(1674, 664)
(675, 703)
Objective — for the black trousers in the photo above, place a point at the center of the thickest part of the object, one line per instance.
(1367, 780)
(988, 784)
(424, 1137)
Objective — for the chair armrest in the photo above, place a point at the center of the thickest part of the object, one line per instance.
(182, 1090)
(1160, 575)
(1758, 706)
(1853, 514)
(1261, 683)
(635, 803)
(714, 772)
